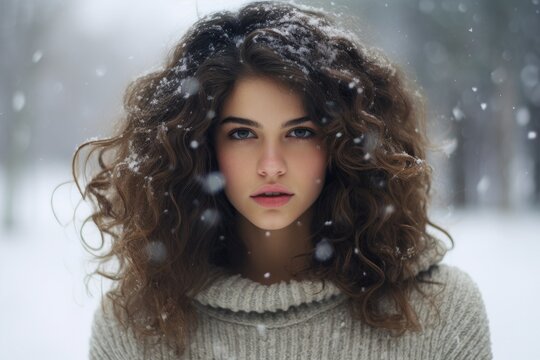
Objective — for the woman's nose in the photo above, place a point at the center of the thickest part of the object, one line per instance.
(271, 161)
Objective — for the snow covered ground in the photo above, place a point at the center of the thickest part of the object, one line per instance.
(46, 313)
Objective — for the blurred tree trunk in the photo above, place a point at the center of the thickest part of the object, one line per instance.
(13, 37)
(20, 29)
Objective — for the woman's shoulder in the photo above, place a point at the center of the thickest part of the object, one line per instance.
(451, 275)
(461, 313)
(457, 286)
(112, 338)
(452, 289)
(108, 337)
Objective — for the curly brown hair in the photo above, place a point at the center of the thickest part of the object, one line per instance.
(157, 188)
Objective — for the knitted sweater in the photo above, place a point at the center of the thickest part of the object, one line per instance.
(242, 319)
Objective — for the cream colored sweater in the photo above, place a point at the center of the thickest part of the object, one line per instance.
(241, 319)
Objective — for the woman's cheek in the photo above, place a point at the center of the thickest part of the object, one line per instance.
(233, 164)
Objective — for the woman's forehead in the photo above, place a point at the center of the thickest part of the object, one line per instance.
(256, 98)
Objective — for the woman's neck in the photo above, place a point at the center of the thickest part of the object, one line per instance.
(270, 254)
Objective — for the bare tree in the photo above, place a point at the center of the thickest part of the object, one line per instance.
(22, 21)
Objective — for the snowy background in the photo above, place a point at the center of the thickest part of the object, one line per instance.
(68, 63)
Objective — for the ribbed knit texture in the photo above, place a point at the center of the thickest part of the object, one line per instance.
(241, 319)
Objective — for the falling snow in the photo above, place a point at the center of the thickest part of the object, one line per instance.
(164, 316)
(210, 114)
(448, 146)
(36, 57)
(261, 329)
(389, 210)
(324, 250)
(458, 114)
(101, 71)
(18, 101)
(523, 116)
(529, 75)
(483, 185)
(213, 182)
(188, 87)
(156, 251)
(211, 217)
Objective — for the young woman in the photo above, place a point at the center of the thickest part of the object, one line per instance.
(266, 198)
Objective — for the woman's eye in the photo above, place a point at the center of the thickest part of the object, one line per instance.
(242, 133)
(304, 131)
(301, 133)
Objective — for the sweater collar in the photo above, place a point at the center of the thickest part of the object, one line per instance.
(236, 293)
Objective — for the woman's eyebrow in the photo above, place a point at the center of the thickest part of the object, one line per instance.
(248, 122)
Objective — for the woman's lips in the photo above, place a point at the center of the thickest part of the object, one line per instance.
(272, 201)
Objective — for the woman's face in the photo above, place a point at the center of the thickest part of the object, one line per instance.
(257, 144)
